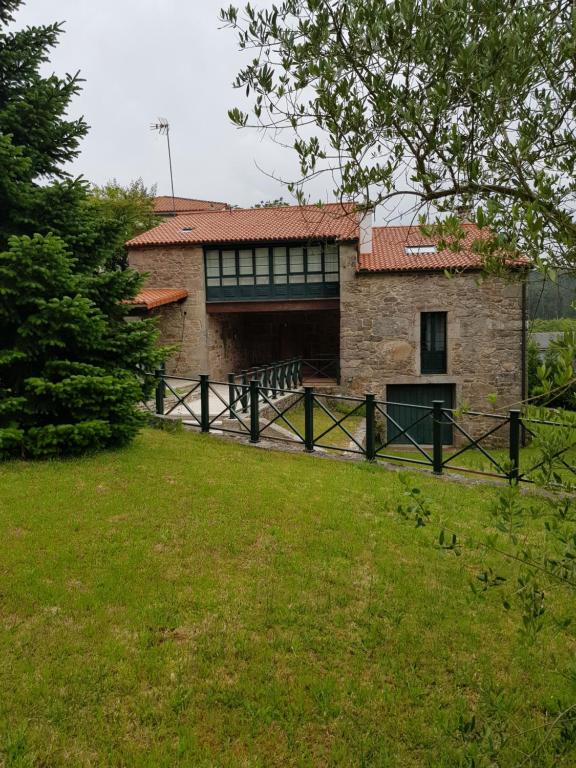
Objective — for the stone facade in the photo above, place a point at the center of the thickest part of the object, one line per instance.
(380, 333)
(220, 343)
(378, 337)
(186, 323)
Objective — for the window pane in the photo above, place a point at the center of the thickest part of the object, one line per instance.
(314, 278)
(228, 263)
(439, 332)
(229, 281)
(246, 280)
(212, 264)
(265, 280)
(330, 262)
(245, 259)
(296, 259)
(262, 265)
(212, 281)
(331, 277)
(315, 258)
(280, 279)
(296, 278)
(331, 249)
(426, 333)
(279, 261)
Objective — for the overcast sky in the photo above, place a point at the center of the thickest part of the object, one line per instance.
(147, 58)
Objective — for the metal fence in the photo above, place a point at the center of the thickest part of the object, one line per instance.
(273, 397)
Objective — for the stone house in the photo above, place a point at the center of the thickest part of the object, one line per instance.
(235, 288)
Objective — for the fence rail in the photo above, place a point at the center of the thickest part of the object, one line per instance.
(361, 425)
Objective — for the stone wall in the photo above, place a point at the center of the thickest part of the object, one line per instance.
(380, 333)
(185, 323)
(225, 353)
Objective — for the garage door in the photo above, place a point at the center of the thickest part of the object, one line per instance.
(417, 394)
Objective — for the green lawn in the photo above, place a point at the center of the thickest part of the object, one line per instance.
(193, 602)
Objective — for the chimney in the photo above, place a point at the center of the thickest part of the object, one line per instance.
(366, 219)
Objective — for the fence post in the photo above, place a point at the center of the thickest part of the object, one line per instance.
(231, 394)
(437, 436)
(308, 419)
(254, 413)
(514, 445)
(204, 403)
(244, 391)
(370, 427)
(160, 389)
(274, 382)
(300, 376)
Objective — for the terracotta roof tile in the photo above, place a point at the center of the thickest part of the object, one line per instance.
(282, 223)
(389, 251)
(156, 297)
(164, 204)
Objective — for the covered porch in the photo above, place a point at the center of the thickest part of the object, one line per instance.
(255, 335)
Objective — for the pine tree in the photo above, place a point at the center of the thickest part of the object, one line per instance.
(69, 363)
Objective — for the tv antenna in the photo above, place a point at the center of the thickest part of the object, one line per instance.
(162, 126)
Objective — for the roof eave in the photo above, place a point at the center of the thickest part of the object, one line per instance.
(213, 243)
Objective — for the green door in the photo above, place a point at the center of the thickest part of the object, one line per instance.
(417, 394)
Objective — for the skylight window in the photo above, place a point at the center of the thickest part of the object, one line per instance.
(187, 229)
(416, 249)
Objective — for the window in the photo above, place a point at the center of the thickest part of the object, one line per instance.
(415, 249)
(294, 270)
(433, 342)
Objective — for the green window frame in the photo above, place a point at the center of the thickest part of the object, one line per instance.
(433, 342)
(292, 267)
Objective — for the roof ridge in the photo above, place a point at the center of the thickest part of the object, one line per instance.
(416, 227)
(191, 199)
(291, 207)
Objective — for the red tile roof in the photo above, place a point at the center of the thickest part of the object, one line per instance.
(164, 204)
(334, 220)
(156, 297)
(389, 254)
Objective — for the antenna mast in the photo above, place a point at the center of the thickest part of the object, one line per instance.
(163, 128)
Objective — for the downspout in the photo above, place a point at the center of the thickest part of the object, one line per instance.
(523, 392)
(524, 336)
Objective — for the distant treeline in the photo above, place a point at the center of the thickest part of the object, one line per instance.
(549, 300)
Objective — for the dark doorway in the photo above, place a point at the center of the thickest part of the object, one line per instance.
(417, 394)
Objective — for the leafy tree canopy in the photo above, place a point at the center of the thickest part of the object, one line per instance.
(127, 211)
(452, 103)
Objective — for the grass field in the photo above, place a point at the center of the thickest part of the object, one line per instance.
(193, 602)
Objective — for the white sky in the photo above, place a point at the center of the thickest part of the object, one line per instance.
(147, 58)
